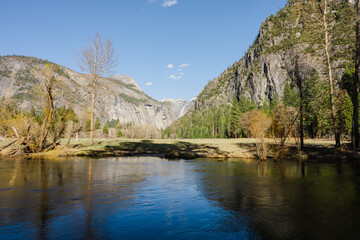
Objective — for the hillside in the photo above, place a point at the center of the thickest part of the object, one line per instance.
(269, 62)
(289, 42)
(118, 97)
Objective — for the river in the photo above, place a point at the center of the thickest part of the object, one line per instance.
(153, 198)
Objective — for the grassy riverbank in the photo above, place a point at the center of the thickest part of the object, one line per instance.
(186, 148)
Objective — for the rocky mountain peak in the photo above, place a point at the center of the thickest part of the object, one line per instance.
(118, 97)
(127, 80)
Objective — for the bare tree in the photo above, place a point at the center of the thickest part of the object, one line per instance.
(38, 133)
(49, 74)
(356, 133)
(301, 107)
(322, 20)
(257, 123)
(283, 127)
(97, 60)
(330, 73)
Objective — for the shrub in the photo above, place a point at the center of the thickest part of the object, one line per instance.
(257, 124)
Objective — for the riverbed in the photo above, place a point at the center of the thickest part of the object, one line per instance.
(154, 198)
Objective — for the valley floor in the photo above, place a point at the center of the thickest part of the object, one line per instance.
(189, 148)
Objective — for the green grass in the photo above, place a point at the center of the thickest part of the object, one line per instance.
(216, 148)
(243, 148)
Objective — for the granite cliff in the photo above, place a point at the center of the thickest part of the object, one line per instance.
(118, 97)
(179, 106)
(293, 34)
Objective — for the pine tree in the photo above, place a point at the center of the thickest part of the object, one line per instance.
(105, 129)
(316, 105)
(97, 123)
(235, 115)
(246, 105)
(274, 101)
(87, 125)
(345, 114)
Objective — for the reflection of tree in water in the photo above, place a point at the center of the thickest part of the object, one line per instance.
(285, 200)
(44, 201)
(69, 190)
(270, 200)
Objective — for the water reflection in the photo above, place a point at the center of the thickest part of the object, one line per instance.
(148, 197)
(287, 200)
(40, 194)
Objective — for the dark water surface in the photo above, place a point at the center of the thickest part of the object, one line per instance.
(152, 198)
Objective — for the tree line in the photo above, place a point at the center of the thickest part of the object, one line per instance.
(226, 121)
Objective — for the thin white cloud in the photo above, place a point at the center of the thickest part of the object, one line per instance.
(149, 84)
(170, 66)
(184, 65)
(181, 73)
(152, 1)
(175, 77)
(169, 3)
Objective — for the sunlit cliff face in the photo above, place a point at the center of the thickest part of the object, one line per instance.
(118, 97)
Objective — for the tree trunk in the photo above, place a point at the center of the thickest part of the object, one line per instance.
(16, 132)
(356, 133)
(330, 76)
(75, 132)
(8, 145)
(92, 115)
(299, 81)
(301, 118)
(48, 116)
(282, 143)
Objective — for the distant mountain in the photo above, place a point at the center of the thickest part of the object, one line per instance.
(118, 97)
(179, 106)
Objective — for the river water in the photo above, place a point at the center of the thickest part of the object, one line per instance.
(153, 198)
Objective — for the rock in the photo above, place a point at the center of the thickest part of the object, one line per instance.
(270, 61)
(179, 106)
(118, 97)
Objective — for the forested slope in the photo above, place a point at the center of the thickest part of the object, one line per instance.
(289, 49)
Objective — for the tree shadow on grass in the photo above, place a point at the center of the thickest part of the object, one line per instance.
(315, 152)
(247, 146)
(328, 153)
(169, 150)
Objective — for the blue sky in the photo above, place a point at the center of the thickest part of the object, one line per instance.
(172, 48)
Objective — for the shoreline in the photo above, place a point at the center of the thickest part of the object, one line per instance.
(322, 150)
